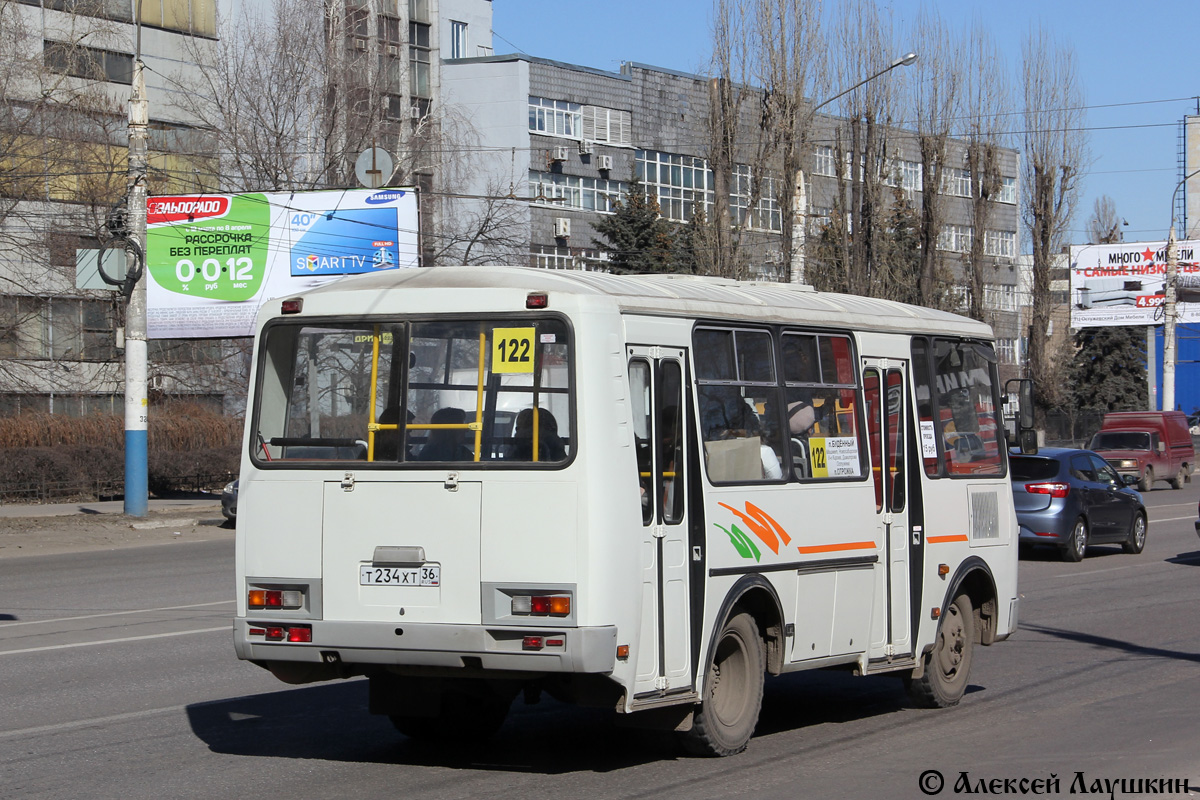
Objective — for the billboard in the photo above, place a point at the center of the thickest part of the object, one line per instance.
(212, 260)
(1125, 283)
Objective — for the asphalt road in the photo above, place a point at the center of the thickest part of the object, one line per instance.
(118, 680)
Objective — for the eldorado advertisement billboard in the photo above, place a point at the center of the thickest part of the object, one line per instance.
(1125, 284)
(212, 260)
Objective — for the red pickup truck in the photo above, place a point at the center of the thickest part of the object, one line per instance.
(1153, 445)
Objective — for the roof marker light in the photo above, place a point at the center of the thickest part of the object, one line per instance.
(293, 306)
(537, 300)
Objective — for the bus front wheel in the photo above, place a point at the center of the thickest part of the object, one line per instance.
(948, 664)
(724, 721)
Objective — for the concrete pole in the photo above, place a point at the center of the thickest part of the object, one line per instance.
(1152, 367)
(1168, 398)
(136, 404)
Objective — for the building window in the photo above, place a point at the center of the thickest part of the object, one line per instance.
(188, 16)
(22, 327)
(1008, 190)
(823, 162)
(1002, 244)
(418, 10)
(956, 182)
(569, 191)
(555, 117)
(956, 238)
(819, 218)
(1008, 351)
(910, 175)
(418, 59)
(607, 125)
(81, 330)
(458, 39)
(389, 30)
(767, 215)
(1000, 297)
(548, 257)
(89, 63)
(678, 182)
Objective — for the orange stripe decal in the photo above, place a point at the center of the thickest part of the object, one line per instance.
(759, 529)
(960, 537)
(833, 548)
(763, 516)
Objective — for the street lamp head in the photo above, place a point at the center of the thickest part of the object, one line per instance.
(905, 60)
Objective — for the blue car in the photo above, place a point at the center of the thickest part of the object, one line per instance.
(1072, 498)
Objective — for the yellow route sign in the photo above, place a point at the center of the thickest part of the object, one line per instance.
(512, 349)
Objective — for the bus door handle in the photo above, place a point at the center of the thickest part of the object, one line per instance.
(451, 483)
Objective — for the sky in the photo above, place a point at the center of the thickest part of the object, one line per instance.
(1137, 64)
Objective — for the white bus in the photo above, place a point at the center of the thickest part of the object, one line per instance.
(641, 493)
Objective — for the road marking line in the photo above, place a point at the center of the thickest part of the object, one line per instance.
(111, 614)
(112, 641)
(1173, 519)
(84, 723)
(1113, 569)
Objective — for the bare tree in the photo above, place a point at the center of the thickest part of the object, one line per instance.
(767, 61)
(61, 167)
(937, 101)
(1104, 225)
(986, 101)
(1056, 153)
(864, 46)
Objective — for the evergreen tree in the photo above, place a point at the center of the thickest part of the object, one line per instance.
(900, 252)
(637, 238)
(1108, 372)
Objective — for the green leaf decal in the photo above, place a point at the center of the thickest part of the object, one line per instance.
(741, 542)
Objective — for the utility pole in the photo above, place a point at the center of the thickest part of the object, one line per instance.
(1169, 308)
(136, 404)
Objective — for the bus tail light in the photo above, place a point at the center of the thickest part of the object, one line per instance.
(299, 633)
(274, 598)
(553, 605)
(1057, 490)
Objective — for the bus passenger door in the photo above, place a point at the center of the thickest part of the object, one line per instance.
(887, 418)
(656, 380)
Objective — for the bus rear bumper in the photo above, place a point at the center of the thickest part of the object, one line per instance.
(569, 650)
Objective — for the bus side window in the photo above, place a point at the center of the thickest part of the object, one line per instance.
(639, 394)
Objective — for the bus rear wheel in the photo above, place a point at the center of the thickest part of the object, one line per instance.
(724, 721)
(948, 665)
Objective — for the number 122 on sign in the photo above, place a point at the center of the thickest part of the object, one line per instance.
(512, 349)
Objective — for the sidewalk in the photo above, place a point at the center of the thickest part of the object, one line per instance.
(192, 504)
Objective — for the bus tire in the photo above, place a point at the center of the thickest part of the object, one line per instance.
(471, 714)
(948, 665)
(725, 719)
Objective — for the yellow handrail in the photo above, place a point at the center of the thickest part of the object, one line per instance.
(374, 379)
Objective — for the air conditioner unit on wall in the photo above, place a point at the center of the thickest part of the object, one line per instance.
(586, 147)
(562, 228)
(360, 44)
(604, 162)
(560, 154)
(393, 51)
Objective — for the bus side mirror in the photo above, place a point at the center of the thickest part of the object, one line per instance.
(1025, 434)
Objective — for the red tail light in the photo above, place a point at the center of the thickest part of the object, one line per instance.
(1052, 489)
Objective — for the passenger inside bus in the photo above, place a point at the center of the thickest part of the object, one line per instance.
(732, 431)
(447, 444)
(550, 446)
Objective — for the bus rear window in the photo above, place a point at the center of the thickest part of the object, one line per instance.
(419, 393)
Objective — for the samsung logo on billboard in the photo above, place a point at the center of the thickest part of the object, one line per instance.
(386, 196)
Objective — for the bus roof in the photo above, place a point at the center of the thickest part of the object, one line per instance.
(675, 295)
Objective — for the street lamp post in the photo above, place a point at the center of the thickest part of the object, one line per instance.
(1169, 308)
(800, 198)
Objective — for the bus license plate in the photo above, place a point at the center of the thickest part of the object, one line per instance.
(428, 575)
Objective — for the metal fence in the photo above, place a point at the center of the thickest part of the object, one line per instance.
(44, 491)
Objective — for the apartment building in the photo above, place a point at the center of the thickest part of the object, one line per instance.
(571, 137)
